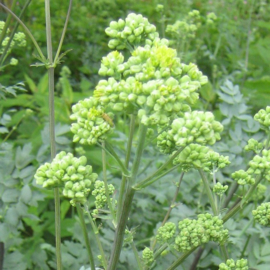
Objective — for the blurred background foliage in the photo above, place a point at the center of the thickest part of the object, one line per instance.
(231, 48)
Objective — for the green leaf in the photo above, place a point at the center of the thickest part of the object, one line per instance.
(23, 156)
(26, 194)
(12, 217)
(207, 92)
(31, 83)
(10, 195)
(65, 205)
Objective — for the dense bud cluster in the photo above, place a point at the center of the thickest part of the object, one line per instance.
(194, 233)
(152, 83)
(262, 214)
(157, 85)
(100, 194)
(259, 192)
(254, 145)
(19, 40)
(68, 172)
(92, 123)
(263, 117)
(185, 28)
(242, 177)
(232, 265)
(200, 157)
(211, 18)
(194, 127)
(134, 30)
(260, 164)
(148, 256)
(166, 232)
(220, 189)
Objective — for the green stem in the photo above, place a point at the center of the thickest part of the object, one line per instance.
(171, 206)
(106, 182)
(208, 192)
(138, 259)
(52, 134)
(63, 34)
(120, 230)
(124, 178)
(159, 170)
(85, 235)
(96, 232)
(7, 23)
(151, 181)
(181, 259)
(240, 204)
(26, 30)
(3, 56)
(111, 151)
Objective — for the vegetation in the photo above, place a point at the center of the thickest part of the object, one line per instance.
(134, 135)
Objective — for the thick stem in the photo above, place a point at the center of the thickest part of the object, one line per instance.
(120, 230)
(124, 178)
(196, 259)
(86, 238)
(52, 134)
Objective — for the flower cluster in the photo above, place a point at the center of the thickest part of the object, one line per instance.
(220, 189)
(242, 177)
(200, 157)
(134, 30)
(259, 192)
(254, 145)
(100, 194)
(92, 123)
(194, 127)
(263, 117)
(211, 18)
(260, 164)
(166, 232)
(155, 84)
(19, 40)
(186, 28)
(262, 214)
(194, 233)
(148, 256)
(68, 172)
(232, 265)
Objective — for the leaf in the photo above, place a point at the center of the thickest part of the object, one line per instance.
(23, 156)
(30, 83)
(26, 194)
(65, 206)
(12, 217)
(43, 84)
(10, 195)
(207, 92)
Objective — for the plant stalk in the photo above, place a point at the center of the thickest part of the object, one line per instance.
(106, 182)
(120, 230)
(124, 178)
(52, 133)
(85, 235)
(95, 229)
